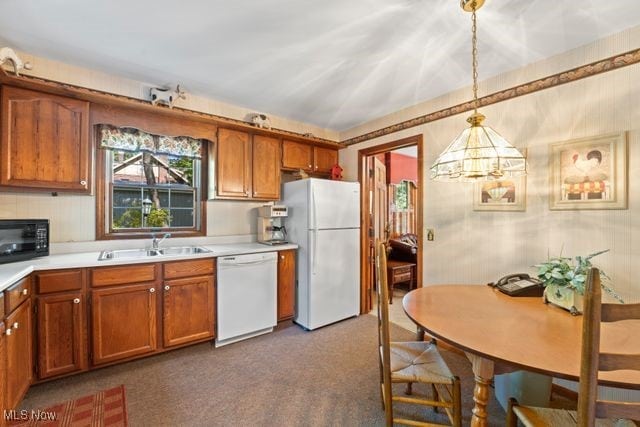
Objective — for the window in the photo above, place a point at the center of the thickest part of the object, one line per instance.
(152, 183)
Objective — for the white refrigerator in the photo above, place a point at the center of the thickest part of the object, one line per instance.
(324, 220)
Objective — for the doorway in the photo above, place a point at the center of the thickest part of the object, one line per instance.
(389, 207)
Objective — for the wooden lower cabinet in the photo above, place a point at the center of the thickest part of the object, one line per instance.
(61, 325)
(19, 344)
(286, 284)
(123, 322)
(188, 310)
(3, 372)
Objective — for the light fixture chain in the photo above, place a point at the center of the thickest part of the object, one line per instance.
(474, 56)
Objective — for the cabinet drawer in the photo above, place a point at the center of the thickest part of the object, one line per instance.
(17, 293)
(404, 277)
(201, 267)
(107, 276)
(59, 281)
(402, 270)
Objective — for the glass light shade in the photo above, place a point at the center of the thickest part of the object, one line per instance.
(479, 153)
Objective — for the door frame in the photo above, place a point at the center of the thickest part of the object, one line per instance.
(363, 178)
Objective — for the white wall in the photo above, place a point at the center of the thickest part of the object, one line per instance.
(73, 217)
(486, 245)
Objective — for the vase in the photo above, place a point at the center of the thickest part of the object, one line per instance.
(563, 297)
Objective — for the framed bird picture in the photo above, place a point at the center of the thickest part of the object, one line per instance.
(589, 173)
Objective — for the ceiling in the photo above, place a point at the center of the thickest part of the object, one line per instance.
(333, 63)
(411, 151)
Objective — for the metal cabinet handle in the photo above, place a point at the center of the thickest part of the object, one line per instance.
(8, 331)
(16, 325)
(167, 287)
(152, 290)
(83, 182)
(309, 165)
(281, 256)
(25, 291)
(76, 300)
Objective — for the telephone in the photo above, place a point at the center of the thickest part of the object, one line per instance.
(519, 285)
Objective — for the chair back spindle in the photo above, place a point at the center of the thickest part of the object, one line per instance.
(592, 361)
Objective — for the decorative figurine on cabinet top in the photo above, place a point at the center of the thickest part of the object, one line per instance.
(261, 120)
(8, 55)
(166, 96)
(336, 172)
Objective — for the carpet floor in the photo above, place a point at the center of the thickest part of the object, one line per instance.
(327, 377)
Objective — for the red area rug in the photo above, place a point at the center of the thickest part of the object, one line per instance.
(107, 408)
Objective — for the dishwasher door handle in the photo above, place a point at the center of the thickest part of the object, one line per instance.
(262, 261)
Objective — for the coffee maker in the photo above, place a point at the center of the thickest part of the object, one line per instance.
(271, 229)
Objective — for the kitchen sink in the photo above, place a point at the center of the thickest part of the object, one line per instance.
(127, 253)
(184, 250)
(144, 253)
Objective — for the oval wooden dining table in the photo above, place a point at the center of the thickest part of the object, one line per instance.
(522, 332)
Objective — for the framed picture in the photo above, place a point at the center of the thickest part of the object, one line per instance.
(507, 194)
(589, 173)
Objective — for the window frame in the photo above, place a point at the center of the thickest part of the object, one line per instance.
(104, 191)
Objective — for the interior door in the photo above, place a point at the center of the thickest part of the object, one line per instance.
(380, 203)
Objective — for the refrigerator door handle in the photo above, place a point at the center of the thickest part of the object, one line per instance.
(315, 250)
(315, 229)
(314, 209)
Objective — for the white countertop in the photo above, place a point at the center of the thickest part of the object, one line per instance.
(9, 273)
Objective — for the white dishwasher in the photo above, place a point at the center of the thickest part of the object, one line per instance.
(246, 300)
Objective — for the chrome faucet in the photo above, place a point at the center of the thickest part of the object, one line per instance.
(155, 243)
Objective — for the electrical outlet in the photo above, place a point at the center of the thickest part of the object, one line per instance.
(430, 234)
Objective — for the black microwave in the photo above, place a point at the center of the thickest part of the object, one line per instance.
(22, 239)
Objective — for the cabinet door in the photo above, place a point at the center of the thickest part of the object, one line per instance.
(286, 284)
(123, 322)
(189, 310)
(266, 167)
(61, 329)
(19, 354)
(296, 155)
(3, 372)
(233, 164)
(324, 159)
(44, 141)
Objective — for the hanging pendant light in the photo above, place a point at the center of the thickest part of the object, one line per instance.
(479, 153)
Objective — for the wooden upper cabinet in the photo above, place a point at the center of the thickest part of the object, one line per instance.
(296, 155)
(266, 167)
(45, 141)
(324, 159)
(247, 166)
(233, 164)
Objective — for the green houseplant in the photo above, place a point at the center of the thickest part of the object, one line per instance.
(564, 280)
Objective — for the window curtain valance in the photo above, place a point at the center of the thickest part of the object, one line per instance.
(131, 139)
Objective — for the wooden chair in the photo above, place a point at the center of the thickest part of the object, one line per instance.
(591, 411)
(411, 362)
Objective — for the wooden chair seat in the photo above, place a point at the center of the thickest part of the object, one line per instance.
(535, 417)
(418, 362)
